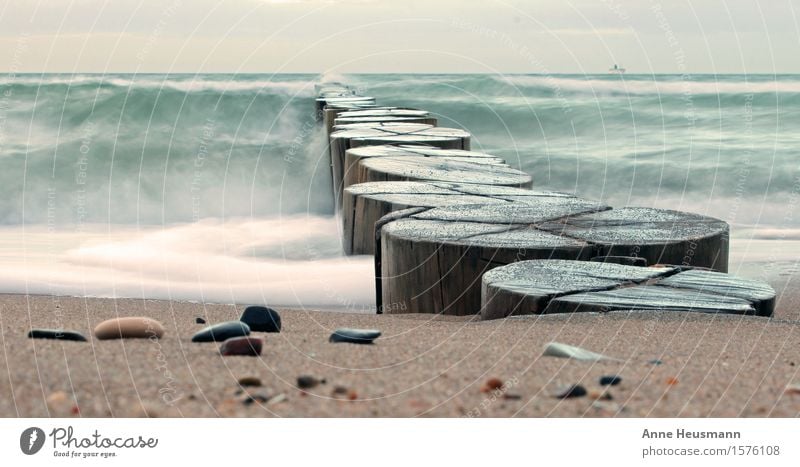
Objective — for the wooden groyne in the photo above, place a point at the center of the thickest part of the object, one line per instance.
(388, 133)
(366, 203)
(460, 232)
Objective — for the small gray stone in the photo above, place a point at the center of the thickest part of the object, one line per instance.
(557, 349)
(354, 336)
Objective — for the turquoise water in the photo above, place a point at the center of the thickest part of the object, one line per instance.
(142, 175)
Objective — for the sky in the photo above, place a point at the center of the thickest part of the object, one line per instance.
(400, 36)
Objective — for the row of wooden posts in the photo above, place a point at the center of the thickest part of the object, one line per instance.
(437, 216)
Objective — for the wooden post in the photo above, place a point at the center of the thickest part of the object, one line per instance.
(342, 99)
(534, 287)
(341, 123)
(432, 262)
(526, 287)
(392, 216)
(332, 110)
(479, 171)
(389, 133)
(660, 236)
(363, 204)
(353, 156)
(385, 115)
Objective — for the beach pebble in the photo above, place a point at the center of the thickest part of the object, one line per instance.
(610, 380)
(608, 407)
(260, 397)
(249, 381)
(557, 349)
(277, 399)
(199, 320)
(793, 389)
(308, 382)
(339, 391)
(248, 346)
(354, 336)
(569, 391)
(261, 319)
(221, 331)
(492, 384)
(655, 361)
(601, 395)
(672, 381)
(58, 334)
(131, 326)
(59, 404)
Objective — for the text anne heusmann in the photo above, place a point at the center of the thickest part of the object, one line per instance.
(681, 433)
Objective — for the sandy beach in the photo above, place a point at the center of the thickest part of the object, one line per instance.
(720, 366)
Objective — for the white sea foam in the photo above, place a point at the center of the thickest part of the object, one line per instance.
(291, 261)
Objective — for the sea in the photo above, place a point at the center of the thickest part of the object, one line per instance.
(216, 188)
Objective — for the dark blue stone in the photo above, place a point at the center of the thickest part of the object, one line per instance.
(568, 392)
(354, 336)
(611, 380)
(261, 319)
(655, 361)
(58, 334)
(221, 331)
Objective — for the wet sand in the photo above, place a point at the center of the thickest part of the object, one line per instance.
(720, 366)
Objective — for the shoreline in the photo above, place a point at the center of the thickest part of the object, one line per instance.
(423, 365)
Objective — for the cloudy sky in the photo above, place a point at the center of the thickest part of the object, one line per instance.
(512, 36)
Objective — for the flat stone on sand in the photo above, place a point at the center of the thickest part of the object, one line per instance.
(222, 331)
(557, 349)
(569, 391)
(129, 327)
(354, 336)
(57, 334)
(245, 345)
(610, 380)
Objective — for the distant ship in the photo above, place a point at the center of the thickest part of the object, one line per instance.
(617, 70)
